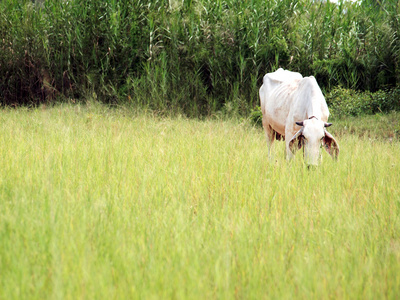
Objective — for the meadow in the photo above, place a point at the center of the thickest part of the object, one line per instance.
(112, 203)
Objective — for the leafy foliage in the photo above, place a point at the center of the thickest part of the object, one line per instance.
(343, 102)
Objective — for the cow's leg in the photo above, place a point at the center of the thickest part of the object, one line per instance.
(289, 154)
(270, 136)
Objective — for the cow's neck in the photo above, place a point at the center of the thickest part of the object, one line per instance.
(314, 111)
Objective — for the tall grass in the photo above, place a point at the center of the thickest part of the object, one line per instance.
(101, 203)
(192, 56)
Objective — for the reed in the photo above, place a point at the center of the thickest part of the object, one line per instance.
(193, 56)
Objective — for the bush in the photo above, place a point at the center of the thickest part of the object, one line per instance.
(256, 116)
(342, 102)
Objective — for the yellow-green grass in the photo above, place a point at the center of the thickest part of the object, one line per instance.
(101, 203)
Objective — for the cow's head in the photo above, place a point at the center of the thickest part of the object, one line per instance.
(312, 136)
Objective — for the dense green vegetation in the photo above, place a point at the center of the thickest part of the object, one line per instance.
(100, 203)
(192, 56)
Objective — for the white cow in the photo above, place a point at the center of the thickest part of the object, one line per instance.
(294, 107)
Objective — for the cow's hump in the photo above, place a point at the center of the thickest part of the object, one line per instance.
(282, 75)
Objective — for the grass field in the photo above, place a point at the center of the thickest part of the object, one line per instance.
(100, 203)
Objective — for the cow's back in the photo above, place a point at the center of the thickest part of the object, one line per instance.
(276, 96)
(272, 81)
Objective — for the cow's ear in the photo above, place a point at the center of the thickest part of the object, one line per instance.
(300, 124)
(330, 145)
(297, 141)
